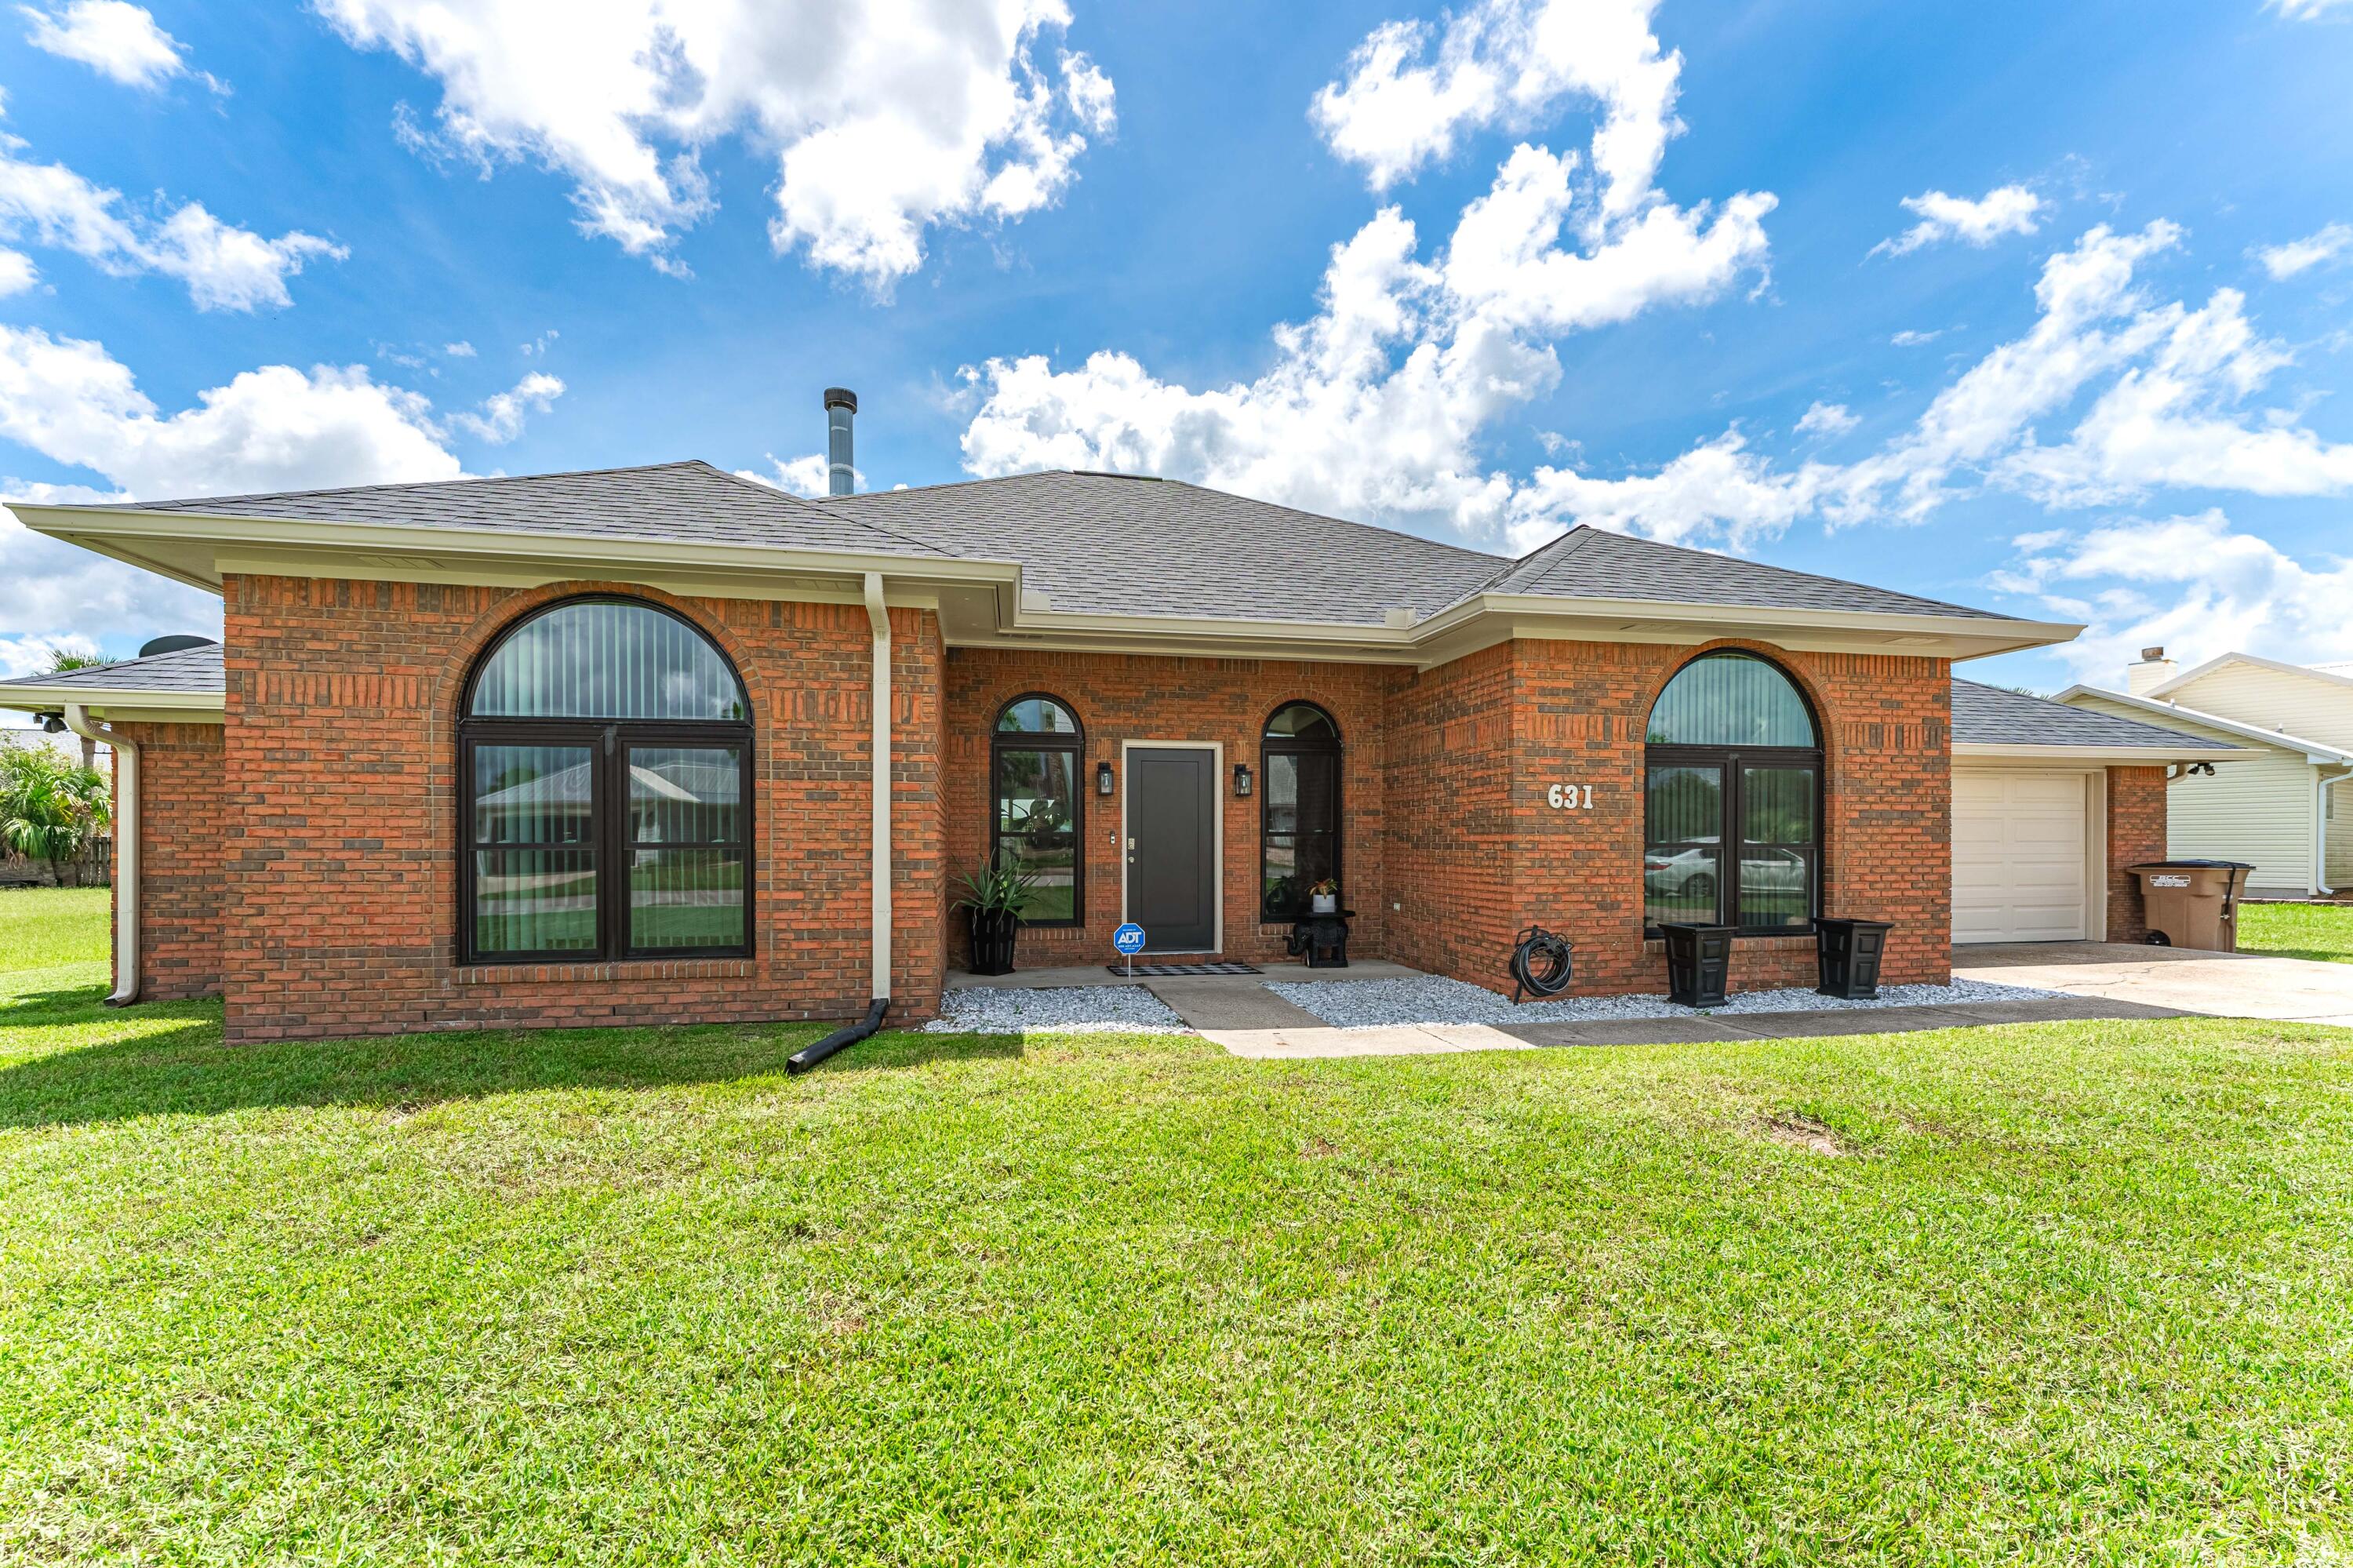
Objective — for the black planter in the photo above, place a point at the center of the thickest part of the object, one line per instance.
(1847, 955)
(1699, 961)
(992, 932)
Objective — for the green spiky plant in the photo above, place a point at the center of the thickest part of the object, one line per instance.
(999, 887)
(50, 809)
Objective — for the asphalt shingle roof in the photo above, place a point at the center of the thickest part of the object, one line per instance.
(1092, 543)
(1595, 563)
(185, 670)
(1989, 716)
(1114, 544)
(685, 500)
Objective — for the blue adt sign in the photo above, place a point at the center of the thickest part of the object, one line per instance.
(1128, 938)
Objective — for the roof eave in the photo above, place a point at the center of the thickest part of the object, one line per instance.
(2311, 751)
(1953, 636)
(2144, 755)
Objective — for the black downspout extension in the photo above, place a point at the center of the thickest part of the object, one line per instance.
(808, 1056)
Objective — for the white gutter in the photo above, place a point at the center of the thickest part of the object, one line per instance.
(126, 850)
(2320, 786)
(880, 616)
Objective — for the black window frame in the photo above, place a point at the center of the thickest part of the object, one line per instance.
(1074, 741)
(1271, 746)
(609, 743)
(1732, 763)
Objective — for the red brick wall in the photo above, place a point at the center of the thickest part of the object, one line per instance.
(341, 790)
(2135, 836)
(1453, 844)
(1578, 714)
(1119, 697)
(182, 838)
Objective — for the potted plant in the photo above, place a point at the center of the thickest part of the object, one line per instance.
(994, 898)
(1324, 898)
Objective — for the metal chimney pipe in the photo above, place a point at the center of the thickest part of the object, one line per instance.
(840, 476)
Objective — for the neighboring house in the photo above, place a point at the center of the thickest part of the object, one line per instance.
(2289, 811)
(2052, 804)
(663, 745)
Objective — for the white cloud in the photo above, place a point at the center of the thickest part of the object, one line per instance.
(805, 475)
(275, 427)
(2195, 583)
(1412, 89)
(1375, 406)
(223, 267)
(2005, 209)
(458, 350)
(1827, 419)
(887, 118)
(2306, 10)
(2313, 250)
(117, 40)
(501, 417)
(17, 272)
(35, 653)
(1911, 338)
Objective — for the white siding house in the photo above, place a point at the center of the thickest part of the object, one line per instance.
(2289, 811)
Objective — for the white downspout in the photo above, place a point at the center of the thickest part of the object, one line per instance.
(2321, 785)
(881, 618)
(126, 850)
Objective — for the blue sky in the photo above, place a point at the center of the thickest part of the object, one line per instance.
(1480, 273)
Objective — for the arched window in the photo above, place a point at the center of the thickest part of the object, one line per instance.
(1299, 808)
(604, 763)
(1733, 800)
(1036, 812)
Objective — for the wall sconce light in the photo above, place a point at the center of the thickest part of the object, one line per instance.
(1241, 779)
(1102, 778)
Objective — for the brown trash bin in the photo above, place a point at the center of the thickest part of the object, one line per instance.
(2191, 903)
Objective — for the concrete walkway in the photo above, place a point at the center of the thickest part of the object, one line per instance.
(1315, 1038)
(2227, 985)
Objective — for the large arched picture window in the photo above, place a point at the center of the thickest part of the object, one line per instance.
(1036, 812)
(1733, 800)
(603, 761)
(1299, 808)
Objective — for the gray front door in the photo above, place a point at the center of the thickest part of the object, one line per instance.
(1172, 847)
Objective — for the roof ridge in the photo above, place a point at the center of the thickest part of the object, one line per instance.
(388, 485)
(777, 492)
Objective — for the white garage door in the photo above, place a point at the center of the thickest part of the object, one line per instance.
(2018, 856)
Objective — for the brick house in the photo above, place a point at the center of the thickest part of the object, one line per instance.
(664, 745)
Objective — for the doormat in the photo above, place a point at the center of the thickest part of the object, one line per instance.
(1162, 971)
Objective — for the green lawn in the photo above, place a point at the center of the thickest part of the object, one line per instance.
(42, 926)
(2048, 1294)
(2323, 931)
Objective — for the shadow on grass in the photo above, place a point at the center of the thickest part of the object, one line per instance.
(2317, 955)
(187, 1070)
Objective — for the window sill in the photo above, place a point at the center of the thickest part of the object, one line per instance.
(1772, 939)
(615, 969)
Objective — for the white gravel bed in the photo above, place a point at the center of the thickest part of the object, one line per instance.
(1368, 1004)
(1102, 1009)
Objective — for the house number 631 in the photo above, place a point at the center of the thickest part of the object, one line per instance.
(1570, 797)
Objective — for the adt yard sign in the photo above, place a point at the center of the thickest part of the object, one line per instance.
(1128, 938)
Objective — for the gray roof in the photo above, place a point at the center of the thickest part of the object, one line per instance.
(1092, 543)
(688, 501)
(1991, 716)
(1596, 563)
(1123, 545)
(188, 669)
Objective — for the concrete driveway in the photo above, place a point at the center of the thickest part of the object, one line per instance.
(2229, 985)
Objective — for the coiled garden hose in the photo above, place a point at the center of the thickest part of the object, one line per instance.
(1540, 963)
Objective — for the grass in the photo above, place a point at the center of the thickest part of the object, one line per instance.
(2042, 1294)
(2323, 931)
(44, 927)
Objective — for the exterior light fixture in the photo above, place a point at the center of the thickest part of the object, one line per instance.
(54, 723)
(1241, 779)
(1102, 778)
